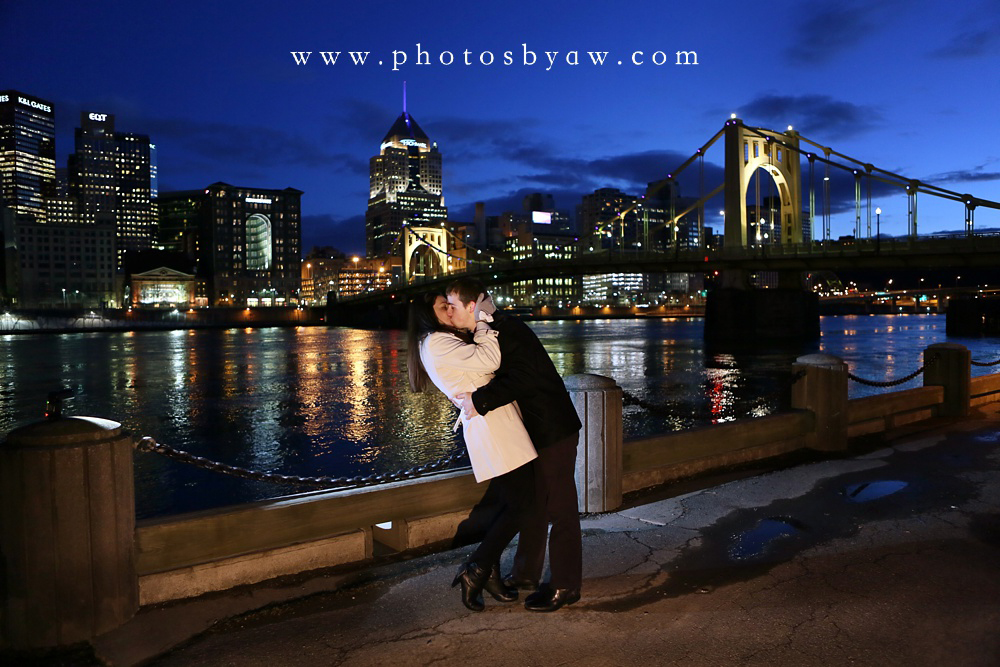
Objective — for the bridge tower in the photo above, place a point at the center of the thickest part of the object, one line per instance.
(749, 149)
(425, 252)
(735, 313)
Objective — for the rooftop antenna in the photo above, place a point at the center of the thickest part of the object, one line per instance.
(404, 97)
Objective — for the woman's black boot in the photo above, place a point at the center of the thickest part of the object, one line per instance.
(472, 577)
(494, 586)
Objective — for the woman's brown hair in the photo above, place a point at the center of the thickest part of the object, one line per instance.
(422, 321)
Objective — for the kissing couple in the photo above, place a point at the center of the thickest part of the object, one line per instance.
(521, 432)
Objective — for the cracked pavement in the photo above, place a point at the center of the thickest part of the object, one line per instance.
(891, 557)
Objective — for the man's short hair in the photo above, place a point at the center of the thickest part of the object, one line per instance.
(467, 289)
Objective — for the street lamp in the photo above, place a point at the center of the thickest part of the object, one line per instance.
(878, 229)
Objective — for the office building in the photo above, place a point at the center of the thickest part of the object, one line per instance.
(66, 265)
(359, 275)
(615, 289)
(405, 187)
(320, 271)
(558, 291)
(245, 242)
(27, 154)
(9, 273)
(110, 175)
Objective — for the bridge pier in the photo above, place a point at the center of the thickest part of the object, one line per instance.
(784, 314)
(973, 316)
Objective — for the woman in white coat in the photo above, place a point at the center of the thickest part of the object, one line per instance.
(458, 362)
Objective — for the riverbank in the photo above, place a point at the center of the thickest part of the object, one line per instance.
(163, 319)
(114, 320)
(61, 321)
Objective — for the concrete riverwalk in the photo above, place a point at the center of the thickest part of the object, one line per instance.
(888, 557)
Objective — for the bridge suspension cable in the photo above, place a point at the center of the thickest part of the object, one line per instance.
(911, 186)
(890, 177)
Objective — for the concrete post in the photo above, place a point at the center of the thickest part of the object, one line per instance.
(823, 391)
(949, 365)
(67, 532)
(598, 402)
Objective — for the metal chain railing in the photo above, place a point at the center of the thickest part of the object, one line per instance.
(985, 363)
(148, 444)
(891, 383)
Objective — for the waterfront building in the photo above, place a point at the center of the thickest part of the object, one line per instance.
(179, 220)
(557, 291)
(405, 187)
(607, 219)
(538, 215)
(245, 242)
(320, 272)
(615, 289)
(360, 274)
(67, 265)
(163, 287)
(111, 177)
(27, 154)
(9, 274)
(611, 219)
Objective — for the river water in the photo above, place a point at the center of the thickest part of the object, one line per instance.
(335, 401)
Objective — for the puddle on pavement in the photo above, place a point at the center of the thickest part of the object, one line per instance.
(868, 491)
(754, 543)
(747, 543)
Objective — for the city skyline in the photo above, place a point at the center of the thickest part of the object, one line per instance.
(224, 100)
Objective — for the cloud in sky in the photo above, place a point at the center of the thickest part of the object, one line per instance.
(976, 35)
(812, 113)
(824, 30)
(975, 175)
(970, 43)
(253, 146)
(360, 120)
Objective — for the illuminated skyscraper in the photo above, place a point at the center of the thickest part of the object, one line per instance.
(110, 174)
(27, 154)
(405, 187)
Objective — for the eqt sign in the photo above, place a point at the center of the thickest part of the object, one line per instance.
(99, 117)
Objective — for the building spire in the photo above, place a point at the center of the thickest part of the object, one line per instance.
(404, 97)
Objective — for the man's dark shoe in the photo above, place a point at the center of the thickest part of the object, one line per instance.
(494, 585)
(551, 599)
(520, 583)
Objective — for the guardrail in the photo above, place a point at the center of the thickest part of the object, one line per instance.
(41, 466)
(416, 512)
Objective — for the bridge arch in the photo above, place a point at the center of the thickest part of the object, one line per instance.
(777, 155)
(424, 252)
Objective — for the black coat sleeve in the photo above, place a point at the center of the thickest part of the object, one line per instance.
(513, 379)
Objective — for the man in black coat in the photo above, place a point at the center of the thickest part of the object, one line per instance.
(528, 376)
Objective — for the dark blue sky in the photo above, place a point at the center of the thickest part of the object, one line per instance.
(908, 86)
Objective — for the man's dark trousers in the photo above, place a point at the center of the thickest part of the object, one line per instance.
(528, 376)
(556, 501)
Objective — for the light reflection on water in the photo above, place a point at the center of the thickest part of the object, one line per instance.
(335, 401)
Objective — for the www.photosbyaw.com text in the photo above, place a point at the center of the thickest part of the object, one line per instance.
(523, 57)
